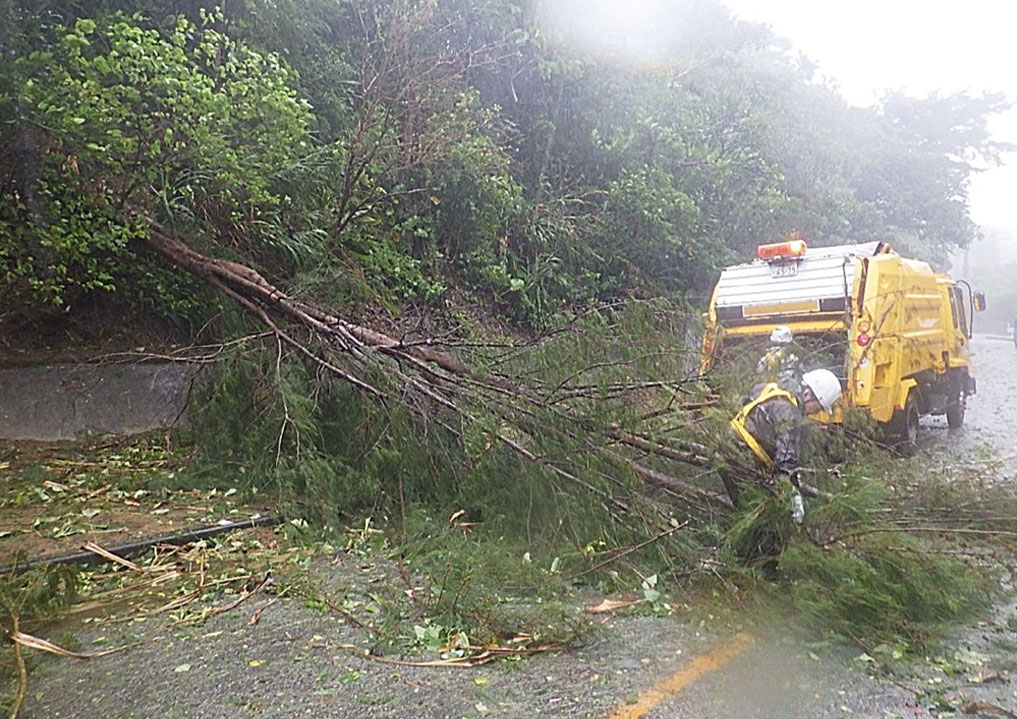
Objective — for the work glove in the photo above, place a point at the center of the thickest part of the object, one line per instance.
(797, 506)
(791, 482)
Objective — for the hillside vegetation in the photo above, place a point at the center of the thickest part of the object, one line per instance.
(443, 153)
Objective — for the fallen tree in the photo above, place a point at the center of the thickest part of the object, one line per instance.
(440, 387)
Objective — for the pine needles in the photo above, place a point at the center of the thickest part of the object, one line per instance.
(884, 588)
(27, 598)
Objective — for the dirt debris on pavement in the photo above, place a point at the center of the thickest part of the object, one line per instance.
(59, 496)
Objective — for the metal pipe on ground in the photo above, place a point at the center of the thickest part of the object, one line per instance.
(137, 547)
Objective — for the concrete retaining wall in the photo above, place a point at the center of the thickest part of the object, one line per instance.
(61, 402)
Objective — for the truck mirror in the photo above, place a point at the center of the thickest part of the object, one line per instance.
(978, 300)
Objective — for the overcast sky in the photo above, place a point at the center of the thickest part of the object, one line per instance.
(870, 46)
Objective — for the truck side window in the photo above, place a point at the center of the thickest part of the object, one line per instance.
(960, 318)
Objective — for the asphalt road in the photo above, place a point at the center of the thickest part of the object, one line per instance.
(290, 664)
(991, 419)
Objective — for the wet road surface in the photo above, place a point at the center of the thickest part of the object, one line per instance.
(987, 437)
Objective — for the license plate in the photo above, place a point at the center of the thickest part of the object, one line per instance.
(782, 270)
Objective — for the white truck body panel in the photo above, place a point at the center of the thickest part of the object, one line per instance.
(823, 273)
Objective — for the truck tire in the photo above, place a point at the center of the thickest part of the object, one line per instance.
(956, 402)
(903, 428)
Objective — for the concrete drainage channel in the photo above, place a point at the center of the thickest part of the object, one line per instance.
(64, 402)
(131, 549)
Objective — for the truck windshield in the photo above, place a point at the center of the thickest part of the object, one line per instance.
(739, 355)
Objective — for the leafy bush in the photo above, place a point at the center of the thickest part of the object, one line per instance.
(188, 124)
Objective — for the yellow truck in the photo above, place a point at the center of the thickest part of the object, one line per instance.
(896, 333)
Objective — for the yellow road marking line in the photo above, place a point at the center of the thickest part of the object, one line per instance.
(701, 665)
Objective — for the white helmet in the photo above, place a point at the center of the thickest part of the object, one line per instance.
(781, 335)
(824, 385)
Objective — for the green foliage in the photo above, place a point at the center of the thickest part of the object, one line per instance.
(650, 226)
(129, 103)
(33, 597)
(75, 245)
(385, 154)
(36, 594)
(187, 124)
(312, 442)
(849, 573)
(470, 573)
(760, 532)
(274, 424)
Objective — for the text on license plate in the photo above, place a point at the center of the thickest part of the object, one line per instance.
(784, 270)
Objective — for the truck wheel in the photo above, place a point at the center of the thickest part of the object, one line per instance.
(903, 428)
(956, 402)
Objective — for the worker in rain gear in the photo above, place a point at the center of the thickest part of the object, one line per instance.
(771, 423)
(782, 363)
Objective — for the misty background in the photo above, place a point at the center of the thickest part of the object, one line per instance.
(869, 48)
